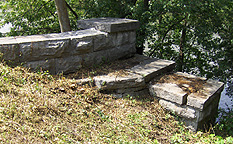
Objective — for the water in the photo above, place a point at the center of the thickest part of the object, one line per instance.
(6, 28)
(225, 101)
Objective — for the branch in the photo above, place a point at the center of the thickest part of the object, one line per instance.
(72, 10)
(167, 33)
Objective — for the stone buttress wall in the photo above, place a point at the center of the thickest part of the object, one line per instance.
(103, 39)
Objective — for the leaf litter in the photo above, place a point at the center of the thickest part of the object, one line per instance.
(37, 107)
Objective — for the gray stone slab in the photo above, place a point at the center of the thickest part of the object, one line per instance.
(115, 82)
(210, 92)
(183, 111)
(10, 52)
(190, 76)
(151, 68)
(49, 37)
(169, 92)
(58, 65)
(80, 46)
(42, 50)
(109, 24)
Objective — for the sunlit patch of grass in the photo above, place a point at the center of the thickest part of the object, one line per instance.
(41, 108)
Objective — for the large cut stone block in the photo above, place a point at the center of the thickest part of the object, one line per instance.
(116, 82)
(210, 92)
(58, 65)
(109, 55)
(79, 46)
(109, 24)
(151, 68)
(10, 52)
(103, 42)
(168, 91)
(194, 99)
(183, 111)
(43, 50)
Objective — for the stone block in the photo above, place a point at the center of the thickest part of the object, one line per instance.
(79, 46)
(122, 38)
(68, 65)
(210, 92)
(58, 65)
(10, 52)
(103, 42)
(108, 55)
(43, 50)
(108, 41)
(44, 64)
(109, 25)
(116, 82)
(183, 111)
(151, 68)
(194, 118)
(168, 91)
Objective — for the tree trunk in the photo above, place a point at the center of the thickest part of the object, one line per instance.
(146, 4)
(181, 52)
(63, 15)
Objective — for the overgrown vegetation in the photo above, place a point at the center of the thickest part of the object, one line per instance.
(38, 107)
(41, 108)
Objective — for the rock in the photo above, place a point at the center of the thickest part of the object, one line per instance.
(114, 82)
(109, 25)
(150, 68)
(168, 91)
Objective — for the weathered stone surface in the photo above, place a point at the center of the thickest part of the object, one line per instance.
(211, 91)
(183, 111)
(196, 108)
(79, 46)
(186, 75)
(11, 52)
(59, 65)
(114, 82)
(168, 91)
(108, 41)
(109, 24)
(43, 50)
(108, 55)
(103, 42)
(44, 64)
(151, 68)
(68, 65)
(85, 81)
(90, 45)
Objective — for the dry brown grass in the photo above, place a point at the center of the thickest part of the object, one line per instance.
(40, 108)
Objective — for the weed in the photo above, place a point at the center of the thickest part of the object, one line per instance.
(41, 108)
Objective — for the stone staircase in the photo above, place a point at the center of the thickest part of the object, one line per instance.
(194, 99)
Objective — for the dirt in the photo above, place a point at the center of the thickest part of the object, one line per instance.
(114, 68)
(189, 85)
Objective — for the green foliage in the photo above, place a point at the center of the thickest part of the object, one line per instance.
(195, 34)
(225, 125)
(205, 27)
(30, 16)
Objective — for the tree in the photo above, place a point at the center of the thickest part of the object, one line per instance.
(63, 15)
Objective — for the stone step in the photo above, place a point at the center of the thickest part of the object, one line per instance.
(193, 98)
(136, 78)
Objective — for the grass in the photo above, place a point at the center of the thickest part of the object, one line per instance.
(41, 108)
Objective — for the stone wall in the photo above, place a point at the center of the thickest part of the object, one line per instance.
(103, 39)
